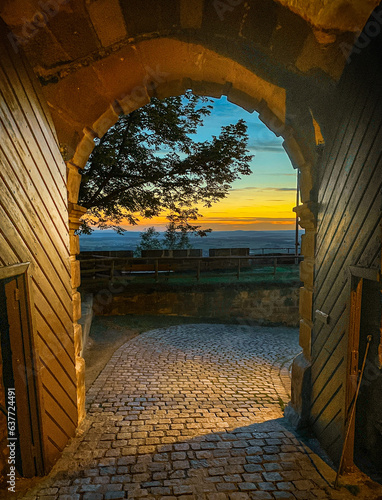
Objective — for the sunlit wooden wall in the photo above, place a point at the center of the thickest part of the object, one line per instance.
(34, 228)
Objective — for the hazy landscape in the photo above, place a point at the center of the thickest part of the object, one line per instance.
(255, 240)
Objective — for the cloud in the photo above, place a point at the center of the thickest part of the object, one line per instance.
(280, 220)
(249, 188)
(266, 148)
(259, 189)
(262, 140)
(278, 174)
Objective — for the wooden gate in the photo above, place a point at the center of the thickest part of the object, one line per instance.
(20, 373)
(359, 278)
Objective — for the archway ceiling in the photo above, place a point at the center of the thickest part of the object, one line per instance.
(76, 32)
(89, 53)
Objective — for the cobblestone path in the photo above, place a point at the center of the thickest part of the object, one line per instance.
(190, 412)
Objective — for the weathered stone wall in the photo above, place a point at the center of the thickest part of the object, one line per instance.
(265, 304)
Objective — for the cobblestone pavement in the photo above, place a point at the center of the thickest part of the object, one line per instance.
(190, 412)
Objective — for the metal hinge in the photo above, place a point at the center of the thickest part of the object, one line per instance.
(17, 294)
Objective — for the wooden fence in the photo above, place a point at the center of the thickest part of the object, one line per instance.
(111, 268)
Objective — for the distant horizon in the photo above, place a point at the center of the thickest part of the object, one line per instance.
(107, 240)
(111, 230)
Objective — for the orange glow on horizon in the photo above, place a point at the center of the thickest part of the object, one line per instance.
(252, 209)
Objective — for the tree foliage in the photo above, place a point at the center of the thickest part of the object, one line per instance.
(174, 238)
(149, 164)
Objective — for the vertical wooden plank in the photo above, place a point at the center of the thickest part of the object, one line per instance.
(20, 379)
(352, 365)
(31, 373)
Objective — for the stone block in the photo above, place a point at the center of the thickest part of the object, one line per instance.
(76, 306)
(107, 19)
(307, 272)
(84, 148)
(306, 337)
(242, 99)
(77, 339)
(172, 88)
(306, 303)
(74, 243)
(137, 98)
(75, 272)
(75, 214)
(210, 89)
(73, 182)
(298, 410)
(294, 152)
(271, 120)
(306, 183)
(307, 213)
(105, 121)
(308, 244)
(81, 390)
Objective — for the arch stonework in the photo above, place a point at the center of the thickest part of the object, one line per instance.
(207, 77)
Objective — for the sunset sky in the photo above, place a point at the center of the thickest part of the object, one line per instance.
(261, 201)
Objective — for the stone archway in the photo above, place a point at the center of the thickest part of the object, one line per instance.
(207, 73)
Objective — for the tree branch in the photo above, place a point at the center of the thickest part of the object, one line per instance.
(93, 199)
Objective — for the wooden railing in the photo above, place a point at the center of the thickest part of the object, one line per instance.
(112, 268)
(263, 250)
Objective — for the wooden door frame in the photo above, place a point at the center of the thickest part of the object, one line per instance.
(357, 275)
(32, 457)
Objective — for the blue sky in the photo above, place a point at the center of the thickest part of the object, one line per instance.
(263, 200)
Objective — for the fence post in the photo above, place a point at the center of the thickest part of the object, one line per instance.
(198, 271)
(156, 269)
(274, 267)
(238, 268)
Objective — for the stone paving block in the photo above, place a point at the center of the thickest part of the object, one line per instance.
(111, 495)
(266, 486)
(284, 494)
(93, 496)
(246, 486)
(261, 495)
(270, 466)
(303, 484)
(272, 476)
